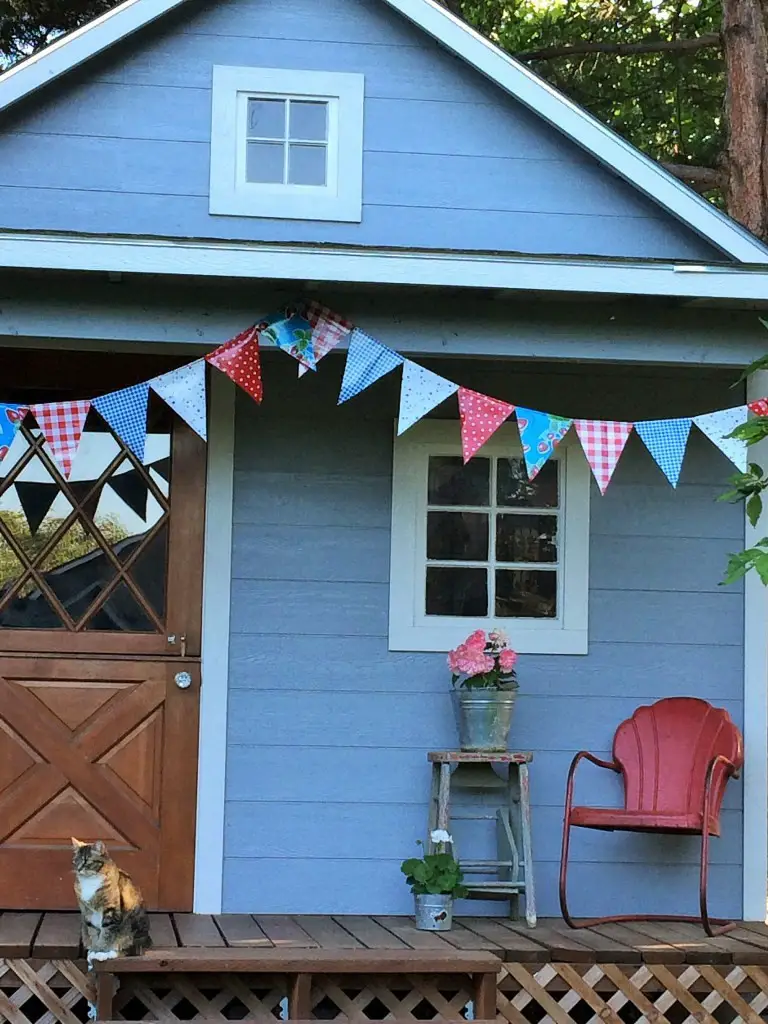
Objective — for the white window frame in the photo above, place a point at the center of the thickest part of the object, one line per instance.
(410, 629)
(341, 198)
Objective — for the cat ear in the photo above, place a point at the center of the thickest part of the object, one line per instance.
(99, 847)
(76, 843)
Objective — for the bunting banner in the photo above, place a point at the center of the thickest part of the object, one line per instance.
(603, 442)
(131, 488)
(421, 391)
(35, 500)
(717, 425)
(62, 425)
(540, 434)
(293, 334)
(759, 407)
(86, 496)
(10, 421)
(328, 330)
(480, 417)
(240, 360)
(184, 391)
(367, 361)
(125, 411)
(666, 441)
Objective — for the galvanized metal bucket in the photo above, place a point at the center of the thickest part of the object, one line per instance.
(484, 717)
(433, 912)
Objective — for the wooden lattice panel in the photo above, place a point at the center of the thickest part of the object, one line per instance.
(380, 996)
(44, 992)
(624, 994)
(216, 997)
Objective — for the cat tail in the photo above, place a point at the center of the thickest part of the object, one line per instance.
(137, 925)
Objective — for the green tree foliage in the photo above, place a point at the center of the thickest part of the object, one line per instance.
(28, 25)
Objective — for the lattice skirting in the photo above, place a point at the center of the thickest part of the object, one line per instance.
(627, 993)
(44, 991)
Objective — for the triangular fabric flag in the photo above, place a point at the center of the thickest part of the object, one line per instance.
(367, 361)
(420, 392)
(328, 330)
(603, 442)
(11, 417)
(716, 425)
(132, 489)
(759, 407)
(163, 468)
(126, 413)
(540, 434)
(62, 425)
(239, 359)
(80, 492)
(481, 417)
(293, 334)
(35, 500)
(184, 391)
(666, 441)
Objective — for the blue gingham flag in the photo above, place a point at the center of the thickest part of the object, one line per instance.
(184, 390)
(666, 441)
(367, 361)
(716, 425)
(126, 413)
(420, 392)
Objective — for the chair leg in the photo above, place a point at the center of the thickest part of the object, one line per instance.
(564, 875)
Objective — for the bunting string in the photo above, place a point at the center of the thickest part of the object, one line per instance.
(308, 333)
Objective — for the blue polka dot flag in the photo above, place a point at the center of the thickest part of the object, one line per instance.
(666, 441)
(126, 413)
(367, 361)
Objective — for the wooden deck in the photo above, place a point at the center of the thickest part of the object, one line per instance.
(57, 936)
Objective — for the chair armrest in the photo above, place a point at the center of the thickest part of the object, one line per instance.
(583, 755)
(730, 770)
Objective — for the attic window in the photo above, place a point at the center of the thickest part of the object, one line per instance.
(286, 144)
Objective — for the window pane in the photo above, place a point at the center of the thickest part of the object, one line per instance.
(514, 489)
(522, 593)
(264, 162)
(306, 165)
(457, 535)
(453, 483)
(30, 609)
(309, 121)
(266, 119)
(522, 538)
(122, 613)
(456, 591)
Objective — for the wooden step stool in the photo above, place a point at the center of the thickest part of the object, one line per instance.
(469, 771)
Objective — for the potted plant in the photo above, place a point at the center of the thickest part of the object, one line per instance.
(484, 690)
(435, 880)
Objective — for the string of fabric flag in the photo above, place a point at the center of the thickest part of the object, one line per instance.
(308, 334)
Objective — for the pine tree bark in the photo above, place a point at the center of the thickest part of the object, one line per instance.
(746, 59)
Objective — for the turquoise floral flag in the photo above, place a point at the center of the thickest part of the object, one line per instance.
(540, 434)
(666, 441)
(291, 332)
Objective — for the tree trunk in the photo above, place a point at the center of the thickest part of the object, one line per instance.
(746, 60)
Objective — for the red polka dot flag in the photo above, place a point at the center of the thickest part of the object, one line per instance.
(481, 417)
(239, 359)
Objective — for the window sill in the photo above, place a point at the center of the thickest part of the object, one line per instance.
(524, 639)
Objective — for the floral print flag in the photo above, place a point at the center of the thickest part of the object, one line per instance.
(540, 434)
(328, 330)
(10, 421)
(293, 334)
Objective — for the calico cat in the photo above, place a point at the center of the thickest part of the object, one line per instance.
(114, 918)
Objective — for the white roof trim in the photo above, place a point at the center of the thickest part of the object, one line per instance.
(254, 261)
(581, 127)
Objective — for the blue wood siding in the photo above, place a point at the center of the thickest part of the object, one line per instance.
(450, 161)
(327, 778)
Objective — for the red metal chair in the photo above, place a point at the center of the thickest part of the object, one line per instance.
(675, 758)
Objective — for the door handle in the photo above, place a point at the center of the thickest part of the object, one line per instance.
(183, 680)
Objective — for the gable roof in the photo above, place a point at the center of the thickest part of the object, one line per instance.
(512, 76)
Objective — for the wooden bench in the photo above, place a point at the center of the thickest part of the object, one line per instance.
(301, 965)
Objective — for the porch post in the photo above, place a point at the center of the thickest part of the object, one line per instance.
(755, 854)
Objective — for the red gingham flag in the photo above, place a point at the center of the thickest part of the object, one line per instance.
(62, 424)
(603, 442)
(328, 329)
(239, 359)
(481, 417)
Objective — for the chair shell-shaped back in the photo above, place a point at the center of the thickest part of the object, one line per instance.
(664, 751)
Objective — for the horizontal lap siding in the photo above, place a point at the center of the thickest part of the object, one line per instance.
(450, 161)
(327, 777)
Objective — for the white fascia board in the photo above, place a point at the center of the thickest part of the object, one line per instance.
(256, 261)
(459, 38)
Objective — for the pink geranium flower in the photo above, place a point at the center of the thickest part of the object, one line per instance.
(507, 660)
(476, 642)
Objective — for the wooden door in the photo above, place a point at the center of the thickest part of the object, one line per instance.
(100, 611)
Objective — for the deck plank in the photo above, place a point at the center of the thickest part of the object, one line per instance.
(369, 933)
(327, 933)
(406, 930)
(197, 930)
(515, 946)
(17, 930)
(162, 931)
(241, 930)
(605, 946)
(562, 948)
(284, 931)
(464, 938)
(58, 937)
(671, 952)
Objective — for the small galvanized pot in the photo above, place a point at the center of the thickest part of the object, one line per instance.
(433, 912)
(484, 718)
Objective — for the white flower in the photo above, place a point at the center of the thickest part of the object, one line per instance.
(439, 835)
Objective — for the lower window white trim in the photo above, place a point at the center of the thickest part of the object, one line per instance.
(409, 628)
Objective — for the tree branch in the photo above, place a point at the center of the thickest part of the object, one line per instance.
(701, 178)
(625, 49)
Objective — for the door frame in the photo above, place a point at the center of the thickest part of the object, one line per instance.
(217, 577)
